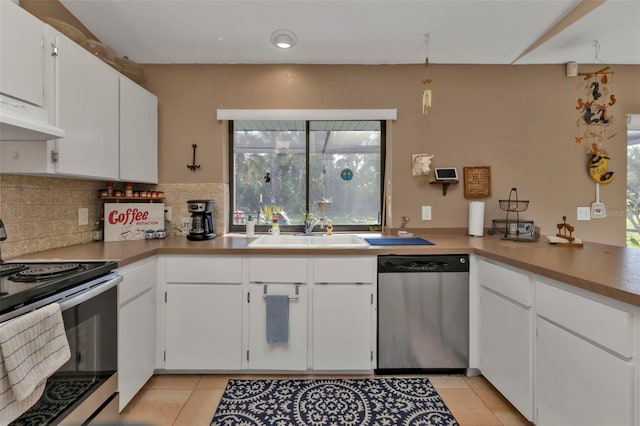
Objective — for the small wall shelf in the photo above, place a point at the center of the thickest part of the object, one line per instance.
(135, 199)
(445, 184)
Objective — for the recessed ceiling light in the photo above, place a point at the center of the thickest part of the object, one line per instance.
(284, 39)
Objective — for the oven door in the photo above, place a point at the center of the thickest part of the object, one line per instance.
(74, 394)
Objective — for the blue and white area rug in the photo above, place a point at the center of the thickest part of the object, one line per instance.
(332, 402)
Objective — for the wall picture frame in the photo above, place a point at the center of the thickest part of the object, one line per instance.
(477, 181)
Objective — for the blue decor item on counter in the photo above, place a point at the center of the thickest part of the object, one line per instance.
(398, 242)
(277, 318)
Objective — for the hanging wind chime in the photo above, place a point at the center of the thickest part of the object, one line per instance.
(595, 118)
(426, 93)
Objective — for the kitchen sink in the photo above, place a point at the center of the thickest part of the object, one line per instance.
(308, 241)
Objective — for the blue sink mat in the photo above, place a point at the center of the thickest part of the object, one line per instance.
(398, 242)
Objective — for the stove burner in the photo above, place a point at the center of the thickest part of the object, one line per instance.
(44, 272)
(11, 268)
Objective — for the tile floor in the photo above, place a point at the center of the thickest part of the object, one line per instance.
(191, 400)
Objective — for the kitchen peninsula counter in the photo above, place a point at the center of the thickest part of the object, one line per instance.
(611, 271)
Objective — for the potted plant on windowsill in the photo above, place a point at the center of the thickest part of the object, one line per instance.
(325, 204)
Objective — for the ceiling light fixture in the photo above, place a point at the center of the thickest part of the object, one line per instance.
(284, 39)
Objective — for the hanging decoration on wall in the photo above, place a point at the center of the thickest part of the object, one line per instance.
(193, 166)
(594, 104)
(346, 174)
(426, 93)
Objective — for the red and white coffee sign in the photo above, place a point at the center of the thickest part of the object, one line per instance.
(129, 221)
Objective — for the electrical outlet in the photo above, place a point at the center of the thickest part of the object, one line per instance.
(83, 216)
(584, 213)
(426, 212)
(167, 213)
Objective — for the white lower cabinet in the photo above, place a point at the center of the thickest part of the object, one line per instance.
(506, 328)
(203, 312)
(203, 327)
(559, 354)
(341, 315)
(291, 355)
(578, 383)
(585, 366)
(136, 328)
(213, 313)
(506, 349)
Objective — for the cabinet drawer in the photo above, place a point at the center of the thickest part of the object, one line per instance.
(204, 269)
(344, 270)
(137, 278)
(507, 282)
(603, 324)
(278, 270)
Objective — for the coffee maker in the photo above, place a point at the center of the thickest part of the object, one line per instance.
(202, 227)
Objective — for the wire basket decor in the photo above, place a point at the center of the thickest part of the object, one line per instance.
(514, 205)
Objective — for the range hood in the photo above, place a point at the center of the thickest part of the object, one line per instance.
(21, 121)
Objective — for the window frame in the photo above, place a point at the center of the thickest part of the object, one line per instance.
(300, 228)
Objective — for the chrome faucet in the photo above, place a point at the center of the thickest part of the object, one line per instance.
(310, 224)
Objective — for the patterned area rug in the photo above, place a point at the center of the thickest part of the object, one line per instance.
(332, 402)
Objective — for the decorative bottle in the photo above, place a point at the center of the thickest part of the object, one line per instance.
(275, 229)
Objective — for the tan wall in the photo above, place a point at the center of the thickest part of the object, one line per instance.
(520, 120)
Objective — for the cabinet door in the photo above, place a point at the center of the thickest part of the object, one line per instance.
(341, 324)
(136, 332)
(138, 133)
(87, 107)
(278, 356)
(577, 383)
(204, 327)
(506, 349)
(21, 53)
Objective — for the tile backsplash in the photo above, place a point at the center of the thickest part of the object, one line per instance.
(177, 195)
(41, 213)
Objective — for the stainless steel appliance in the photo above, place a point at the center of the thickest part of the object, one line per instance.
(202, 226)
(423, 314)
(85, 388)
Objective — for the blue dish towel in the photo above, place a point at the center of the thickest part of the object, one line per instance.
(398, 242)
(277, 318)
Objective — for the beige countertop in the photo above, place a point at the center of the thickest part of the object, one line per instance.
(607, 270)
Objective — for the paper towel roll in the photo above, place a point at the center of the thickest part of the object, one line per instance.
(476, 218)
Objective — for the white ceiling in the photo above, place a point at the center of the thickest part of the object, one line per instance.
(362, 31)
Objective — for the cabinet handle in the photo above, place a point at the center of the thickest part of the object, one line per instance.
(54, 49)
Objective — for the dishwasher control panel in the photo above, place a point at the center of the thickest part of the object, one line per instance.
(427, 263)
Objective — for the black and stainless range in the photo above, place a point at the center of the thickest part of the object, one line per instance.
(87, 294)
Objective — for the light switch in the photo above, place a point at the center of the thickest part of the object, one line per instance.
(426, 212)
(83, 216)
(584, 213)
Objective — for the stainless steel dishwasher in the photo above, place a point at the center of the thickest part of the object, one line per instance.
(423, 314)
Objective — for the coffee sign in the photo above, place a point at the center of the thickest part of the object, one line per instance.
(130, 221)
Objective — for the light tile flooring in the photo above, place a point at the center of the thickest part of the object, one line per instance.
(191, 400)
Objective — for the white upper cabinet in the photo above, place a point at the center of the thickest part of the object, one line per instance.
(110, 123)
(22, 65)
(23, 100)
(87, 106)
(138, 133)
